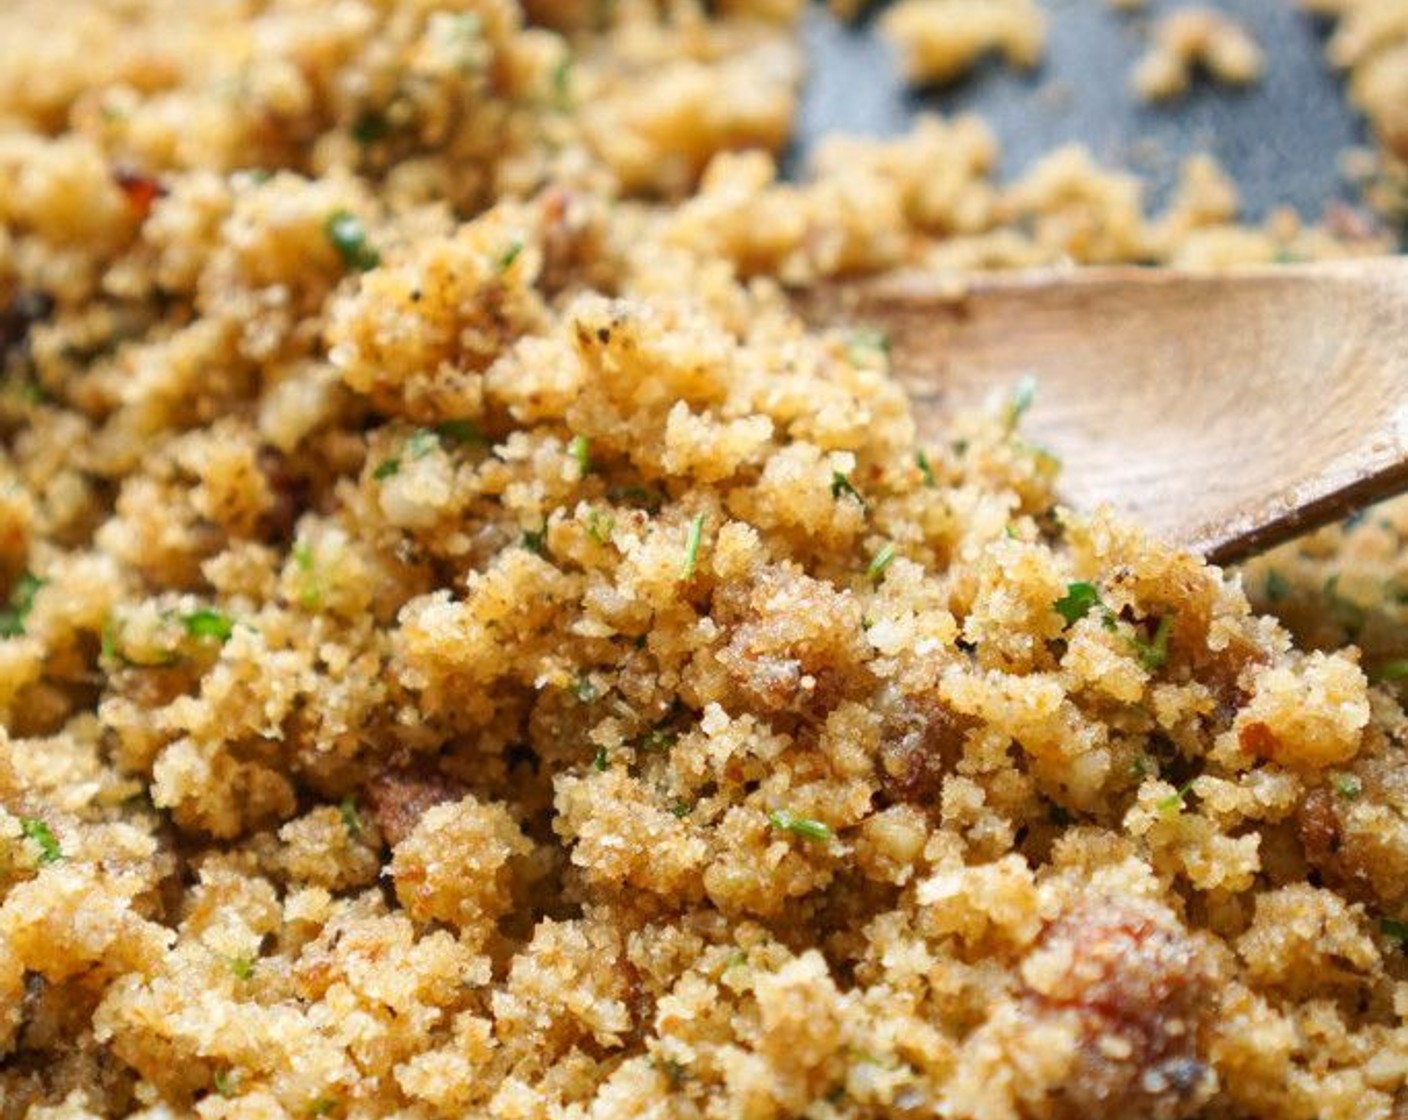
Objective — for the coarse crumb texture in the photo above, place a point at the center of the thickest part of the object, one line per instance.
(468, 650)
(940, 40)
(1191, 40)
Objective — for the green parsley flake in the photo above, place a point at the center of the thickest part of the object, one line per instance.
(1154, 655)
(536, 540)
(881, 561)
(562, 85)
(840, 484)
(865, 343)
(600, 526)
(347, 235)
(460, 431)
(599, 761)
(386, 468)
(1277, 587)
(680, 808)
(922, 462)
(1022, 397)
(1349, 614)
(1174, 802)
(691, 547)
(806, 827)
(36, 830)
(1394, 930)
(242, 966)
(421, 443)
(1347, 786)
(1078, 601)
(585, 689)
(510, 255)
(658, 739)
(208, 623)
(581, 450)
(310, 593)
(224, 1083)
(369, 128)
(21, 602)
(351, 818)
(1392, 670)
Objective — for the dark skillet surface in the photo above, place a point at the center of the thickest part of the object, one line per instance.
(1280, 140)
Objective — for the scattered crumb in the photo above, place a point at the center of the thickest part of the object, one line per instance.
(1192, 39)
(941, 40)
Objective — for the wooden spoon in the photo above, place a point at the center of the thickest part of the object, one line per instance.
(1226, 411)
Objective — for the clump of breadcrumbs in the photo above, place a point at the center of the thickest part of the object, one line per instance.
(1190, 40)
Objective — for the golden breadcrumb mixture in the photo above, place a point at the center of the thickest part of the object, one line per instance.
(1196, 39)
(467, 649)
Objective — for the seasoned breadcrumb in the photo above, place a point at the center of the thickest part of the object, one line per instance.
(468, 649)
(1196, 39)
(940, 40)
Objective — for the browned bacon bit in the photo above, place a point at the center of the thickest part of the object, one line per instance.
(142, 191)
(1139, 987)
(399, 798)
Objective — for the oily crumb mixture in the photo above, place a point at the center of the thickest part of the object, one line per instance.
(467, 649)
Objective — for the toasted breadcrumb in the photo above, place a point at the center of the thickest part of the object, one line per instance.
(468, 649)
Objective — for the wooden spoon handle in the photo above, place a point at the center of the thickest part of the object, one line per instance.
(1227, 411)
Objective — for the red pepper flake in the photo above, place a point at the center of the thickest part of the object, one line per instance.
(142, 191)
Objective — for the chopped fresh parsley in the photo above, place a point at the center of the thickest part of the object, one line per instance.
(348, 236)
(1153, 655)
(370, 127)
(1346, 612)
(310, 593)
(21, 602)
(600, 526)
(922, 462)
(1277, 587)
(1022, 397)
(1347, 786)
(1079, 600)
(1174, 802)
(1396, 670)
(421, 443)
(242, 966)
(806, 827)
(459, 431)
(386, 468)
(599, 761)
(691, 547)
(536, 540)
(562, 85)
(581, 450)
(509, 255)
(585, 689)
(658, 739)
(679, 807)
(224, 1083)
(1394, 930)
(36, 830)
(351, 818)
(881, 561)
(1140, 766)
(840, 484)
(208, 623)
(865, 342)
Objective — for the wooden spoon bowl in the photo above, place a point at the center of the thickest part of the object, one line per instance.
(1225, 411)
